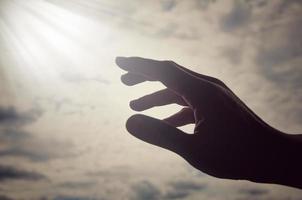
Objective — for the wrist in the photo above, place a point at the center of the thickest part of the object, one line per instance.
(290, 165)
(281, 163)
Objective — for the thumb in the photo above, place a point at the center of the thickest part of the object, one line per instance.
(158, 133)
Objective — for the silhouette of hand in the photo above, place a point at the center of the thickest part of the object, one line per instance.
(229, 140)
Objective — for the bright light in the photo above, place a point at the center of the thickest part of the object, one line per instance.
(48, 41)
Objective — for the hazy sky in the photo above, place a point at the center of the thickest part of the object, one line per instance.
(63, 108)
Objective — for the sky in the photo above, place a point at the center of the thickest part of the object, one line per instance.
(63, 108)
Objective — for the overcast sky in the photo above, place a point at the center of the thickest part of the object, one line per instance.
(63, 108)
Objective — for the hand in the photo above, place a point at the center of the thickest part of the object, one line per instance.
(229, 140)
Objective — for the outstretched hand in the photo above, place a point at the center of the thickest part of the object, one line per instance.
(229, 140)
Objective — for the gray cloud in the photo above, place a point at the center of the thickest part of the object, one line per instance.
(19, 143)
(254, 191)
(16, 141)
(11, 173)
(118, 172)
(176, 194)
(35, 156)
(238, 17)
(77, 184)
(286, 4)
(145, 190)
(280, 55)
(274, 32)
(11, 135)
(9, 116)
(38, 150)
(268, 44)
(232, 54)
(182, 189)
(66, 197)
(187, 185)
(3, 197)
(177, 190)
(168, 5)
(204, 3)
(20, 152)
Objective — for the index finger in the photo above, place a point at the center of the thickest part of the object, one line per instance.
(164, 71)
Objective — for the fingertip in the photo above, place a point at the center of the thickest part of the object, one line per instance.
(125, 80)
(135, 106)
(120, 61)
(133, 124)
(132, 105)
(119, 58)
(131, 79)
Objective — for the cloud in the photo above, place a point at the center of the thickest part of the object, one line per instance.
(203, 4)
(177, 190)
(266, 53)
(3, 197)
(176, 194)
(187, 185)
(79, 78)
(38, 149)
(11, 135)
(254, 191)
(273, 32)
(168, 5)
(238, 17)
(280, 54)
(11, 173)
(120, 172)
(77, 184)
(145, 190)
(20, 152)
(182, 189)
(284, 5)
(16, 142)
(232, 54)
(65, 197)
(9, 116)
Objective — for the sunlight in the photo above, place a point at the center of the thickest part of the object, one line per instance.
(49, 40)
